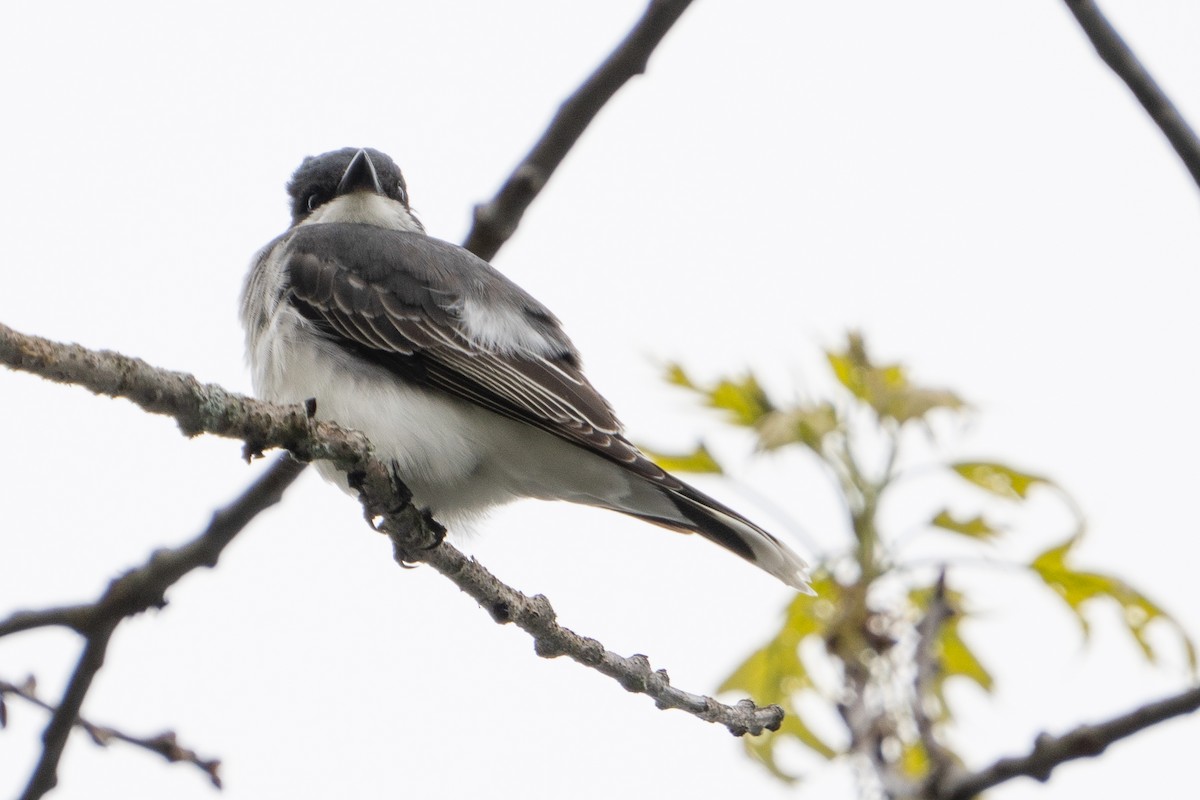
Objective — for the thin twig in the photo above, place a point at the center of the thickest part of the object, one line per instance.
(136, 591)
(497, 220)
(164, 744)
(535, 616)
(1117, 55)
(928, 668)
(1083, 742)
(211, 409)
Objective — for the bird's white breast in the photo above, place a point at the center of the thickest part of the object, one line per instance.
(457, 459)
(295, 364)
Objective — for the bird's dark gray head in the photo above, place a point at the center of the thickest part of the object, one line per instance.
(323, 178)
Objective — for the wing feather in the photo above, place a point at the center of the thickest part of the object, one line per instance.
(400, 300)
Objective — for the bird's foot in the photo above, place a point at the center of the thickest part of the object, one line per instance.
(431, 534)
(435, 529)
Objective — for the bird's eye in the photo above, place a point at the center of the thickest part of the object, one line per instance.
(315, 200)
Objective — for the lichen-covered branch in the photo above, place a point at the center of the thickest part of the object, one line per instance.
(209, 408)
(536, 617)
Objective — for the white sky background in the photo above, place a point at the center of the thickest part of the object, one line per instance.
(965, 182)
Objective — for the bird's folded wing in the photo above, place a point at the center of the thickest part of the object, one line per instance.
(435, 314)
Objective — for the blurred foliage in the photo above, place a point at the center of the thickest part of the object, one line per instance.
(889, 631)
(1077, 588)
(698, 460)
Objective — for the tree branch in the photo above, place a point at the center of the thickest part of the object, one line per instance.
(497, 220)
(928, 668)
(535, 616)
(164, 744)
(1083, 742)
(132, 593)
(1117, 55)
(209, 408)
(73, 617)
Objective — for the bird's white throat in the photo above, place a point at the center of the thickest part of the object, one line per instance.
(366, 208)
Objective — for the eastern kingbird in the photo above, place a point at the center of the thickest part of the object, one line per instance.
(458, 377)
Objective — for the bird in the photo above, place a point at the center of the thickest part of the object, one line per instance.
(462, 381)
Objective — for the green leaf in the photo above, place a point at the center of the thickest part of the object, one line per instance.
(775, 669)
(885, 387)
(676, 375)
(1072, 587)
(770, 672)
(807, 425)
(916, 763)
(762, 749)
(1077, 588)
(854, 370)
(975, 527)
(999, 479)
(698, 460)
(914, 760)
(775, 674)
(958, 659)
(743, 398)
(794, 726)
(915, 402)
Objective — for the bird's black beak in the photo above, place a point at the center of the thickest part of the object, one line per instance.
(359, 176)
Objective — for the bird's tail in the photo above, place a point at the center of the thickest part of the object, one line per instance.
(699, 513)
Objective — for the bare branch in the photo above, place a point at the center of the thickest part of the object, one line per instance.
(1117, 55)
(929, 629)
(164, 744)
(209, 408)
(1083, 742)
(497, 219)
(198, 408)
(135, 592)
(54, 738)
(535, 616)
(74, 617)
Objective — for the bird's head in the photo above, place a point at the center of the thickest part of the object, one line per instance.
(360, 185)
